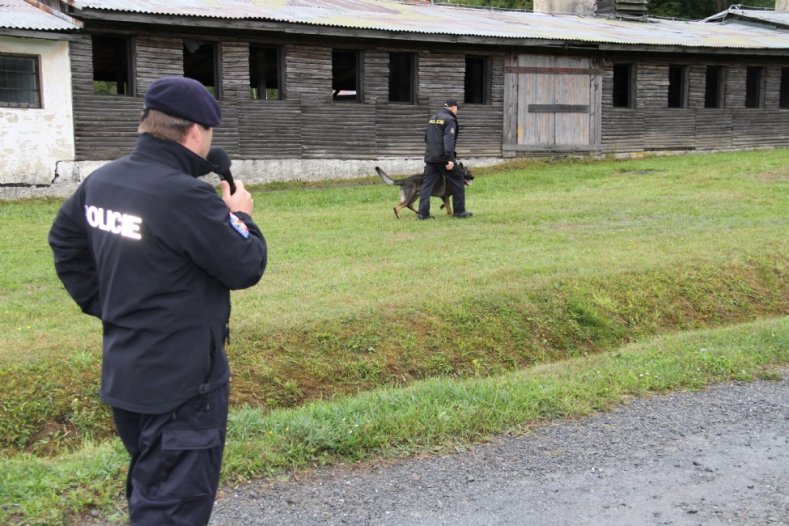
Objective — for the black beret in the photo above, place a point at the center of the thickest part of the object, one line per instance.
(185, 98)
(451, 102)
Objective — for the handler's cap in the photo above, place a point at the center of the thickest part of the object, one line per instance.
(185, 98)
(451, 102)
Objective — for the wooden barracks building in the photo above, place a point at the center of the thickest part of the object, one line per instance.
(329, 89)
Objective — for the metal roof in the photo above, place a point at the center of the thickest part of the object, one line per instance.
(757, 15)
(18, 14)
(425, 18)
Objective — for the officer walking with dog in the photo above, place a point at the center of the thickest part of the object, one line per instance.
(441, 161)
(153, 252)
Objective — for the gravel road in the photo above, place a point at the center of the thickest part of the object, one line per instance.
(719, 456)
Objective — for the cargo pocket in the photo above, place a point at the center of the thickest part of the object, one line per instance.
(192, 459)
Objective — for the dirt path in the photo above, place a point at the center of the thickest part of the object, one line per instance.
(720, 456)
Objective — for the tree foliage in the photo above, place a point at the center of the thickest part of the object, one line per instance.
(695, 9)
(685, 9)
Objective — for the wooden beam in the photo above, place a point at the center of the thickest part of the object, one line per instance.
(535, 70)
(559, 108)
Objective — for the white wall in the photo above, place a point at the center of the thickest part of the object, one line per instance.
(32, 140)
(577, 7)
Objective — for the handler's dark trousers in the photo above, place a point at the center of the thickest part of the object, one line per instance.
(432, 176)
(175, 460)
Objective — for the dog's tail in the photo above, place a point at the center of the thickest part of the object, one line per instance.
(385, 178)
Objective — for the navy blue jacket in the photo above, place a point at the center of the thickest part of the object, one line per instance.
(154, 252)
(441, 137)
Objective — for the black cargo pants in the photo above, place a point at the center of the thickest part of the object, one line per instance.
(454, 179)
(175, 460)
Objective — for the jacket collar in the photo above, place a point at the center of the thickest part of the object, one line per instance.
(448, 113)
(172, 154)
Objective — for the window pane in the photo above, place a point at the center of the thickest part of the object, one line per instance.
(784, 97)
(200, 64)
(111, 65)
(753, 88)
(401, 77)
(713, 90)
(264, 73)
(622, 85)
(19, 81)
(345, 78)
(676, 86)
(476, 81)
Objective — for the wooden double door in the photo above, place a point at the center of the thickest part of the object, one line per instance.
(551, 103)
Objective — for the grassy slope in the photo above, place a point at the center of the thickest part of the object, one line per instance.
(428, 416)
(561, 260)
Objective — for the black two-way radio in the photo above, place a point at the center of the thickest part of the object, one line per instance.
(221, 161)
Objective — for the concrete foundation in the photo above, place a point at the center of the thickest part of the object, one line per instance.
(69, 174)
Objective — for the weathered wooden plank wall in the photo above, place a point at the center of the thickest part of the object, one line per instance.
(400, 129)
(269, 130)
(441, 76)
(105, 126)
(309, 125)
(481, 124)
(651, 125)
(375, 76)
(157, 56)
(308, 73)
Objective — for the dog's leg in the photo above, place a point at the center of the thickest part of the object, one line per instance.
(447, 205)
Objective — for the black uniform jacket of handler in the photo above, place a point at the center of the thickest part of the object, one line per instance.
(154, 252)
(441, 137)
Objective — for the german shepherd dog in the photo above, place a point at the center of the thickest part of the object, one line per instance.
(411, 185)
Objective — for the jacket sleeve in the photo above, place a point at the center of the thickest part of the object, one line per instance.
(450, 136)
(74, 263)
(229, 247)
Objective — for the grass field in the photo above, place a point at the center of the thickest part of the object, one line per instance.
(368, 333)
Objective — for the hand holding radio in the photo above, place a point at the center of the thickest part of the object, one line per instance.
(235, 196)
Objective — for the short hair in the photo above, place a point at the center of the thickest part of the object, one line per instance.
(163, 126)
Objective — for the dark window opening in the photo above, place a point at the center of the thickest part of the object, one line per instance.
(265, 73)
(19, 81)
(783, 100)
(111, 65)
(477, 86)
(623, 86)
(753, 87)
(677, 87)
(345, 76)
(200, 63)
(402, 77)
(714, 87)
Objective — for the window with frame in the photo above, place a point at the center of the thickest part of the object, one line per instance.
(623, 86)
(714, 91)
(477, 80)
(346, 76)
(20, 81)
(677, 86)
(112, 65)
(754, 92)
(783, 98)
(265, 73)
(402, 77)
(200, 63)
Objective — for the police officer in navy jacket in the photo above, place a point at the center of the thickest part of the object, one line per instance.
(441, 137)
(153, 252)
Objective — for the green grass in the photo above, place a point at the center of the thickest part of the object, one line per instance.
(433, 415)
(562, 262)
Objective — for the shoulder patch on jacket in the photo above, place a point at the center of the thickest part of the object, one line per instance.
(239, 225)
